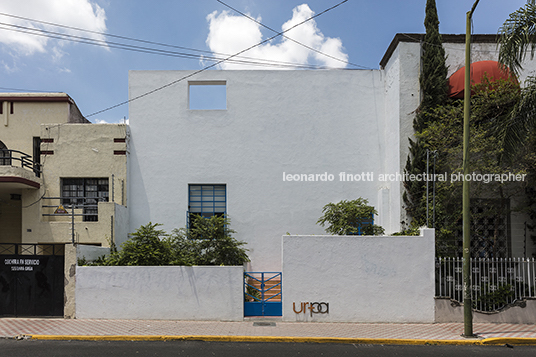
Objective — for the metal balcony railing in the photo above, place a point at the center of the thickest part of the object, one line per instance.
(19, 159)
(86, 207)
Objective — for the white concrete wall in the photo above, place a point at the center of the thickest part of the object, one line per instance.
(363, 279)
(403, 96)
(276, 122)
(163, 292)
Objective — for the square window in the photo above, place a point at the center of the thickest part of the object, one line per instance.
(206, 201)
(207, 95)
(85, 193)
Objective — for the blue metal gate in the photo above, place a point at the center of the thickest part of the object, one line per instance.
(262, 294)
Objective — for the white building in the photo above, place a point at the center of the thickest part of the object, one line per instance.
(281, 146)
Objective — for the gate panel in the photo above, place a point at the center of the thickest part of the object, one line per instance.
(262, 292)
(31, 284)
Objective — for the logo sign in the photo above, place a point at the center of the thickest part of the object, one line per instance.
(313, 307)
(60, 210)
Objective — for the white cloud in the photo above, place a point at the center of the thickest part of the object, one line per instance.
(83, 14)
(231, 34)
(118, 121)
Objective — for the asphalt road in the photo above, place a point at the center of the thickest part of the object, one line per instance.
(36, 348)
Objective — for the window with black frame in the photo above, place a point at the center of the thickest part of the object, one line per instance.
(85, 193)
(5, 155)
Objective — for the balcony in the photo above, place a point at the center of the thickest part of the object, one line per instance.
(18, 170)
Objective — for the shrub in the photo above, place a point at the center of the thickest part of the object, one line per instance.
(350, 218)
(147, 246)
(208, 241)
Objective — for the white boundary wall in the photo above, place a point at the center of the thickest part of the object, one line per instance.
(362, 278)
(160, 292)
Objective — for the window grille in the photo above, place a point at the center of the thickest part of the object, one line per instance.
(206, 200)
(85, 193)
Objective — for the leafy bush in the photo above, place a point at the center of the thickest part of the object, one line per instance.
(494, 300)
(412, 231)
(208, 241)
(147, 246)
(350, 218)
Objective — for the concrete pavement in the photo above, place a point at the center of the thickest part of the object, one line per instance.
(266, 330)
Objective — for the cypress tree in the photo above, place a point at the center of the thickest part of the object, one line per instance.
(434, 87)
(433, 79)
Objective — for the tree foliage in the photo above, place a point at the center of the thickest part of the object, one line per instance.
(208, 241)
(492, 104)
(349, 218)
(516, 39)
(147, 246)
(433, 79)
(434, 86)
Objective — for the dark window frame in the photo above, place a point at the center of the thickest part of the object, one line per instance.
(86, 193)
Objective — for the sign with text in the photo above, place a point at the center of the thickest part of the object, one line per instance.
(20, 264)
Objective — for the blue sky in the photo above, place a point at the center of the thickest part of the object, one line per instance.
(96, 77)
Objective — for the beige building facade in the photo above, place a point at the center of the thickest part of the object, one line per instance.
(62, 178)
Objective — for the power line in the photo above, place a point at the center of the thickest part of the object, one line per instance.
(140, 49)
(123, 46)
(217, 63)
(291, 39)
(26, 90)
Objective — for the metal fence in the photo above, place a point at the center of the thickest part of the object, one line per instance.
(19, 159)
(495, 282)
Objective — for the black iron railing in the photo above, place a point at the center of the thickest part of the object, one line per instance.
(87, 207)
(19, 159)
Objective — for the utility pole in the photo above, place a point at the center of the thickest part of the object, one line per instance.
(467, 301)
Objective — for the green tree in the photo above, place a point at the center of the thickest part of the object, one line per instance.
(517, 40)
(147, 246)
(516, 37)
(491, 104)
(433, 79)
(208, 241)
(434, 86)
(349, 218)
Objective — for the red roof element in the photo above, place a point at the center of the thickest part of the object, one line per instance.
(479, 70)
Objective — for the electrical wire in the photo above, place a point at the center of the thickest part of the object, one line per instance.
(26, 90)
(215, 55)
(291, 39)
(140, 49)
(216, 63)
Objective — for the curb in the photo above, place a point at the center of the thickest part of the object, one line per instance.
(216, 338)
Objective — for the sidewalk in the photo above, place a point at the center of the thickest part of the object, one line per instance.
(266, 330)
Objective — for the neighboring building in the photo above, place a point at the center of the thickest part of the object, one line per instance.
(403, 59)
(281, 145)
(52, 158)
